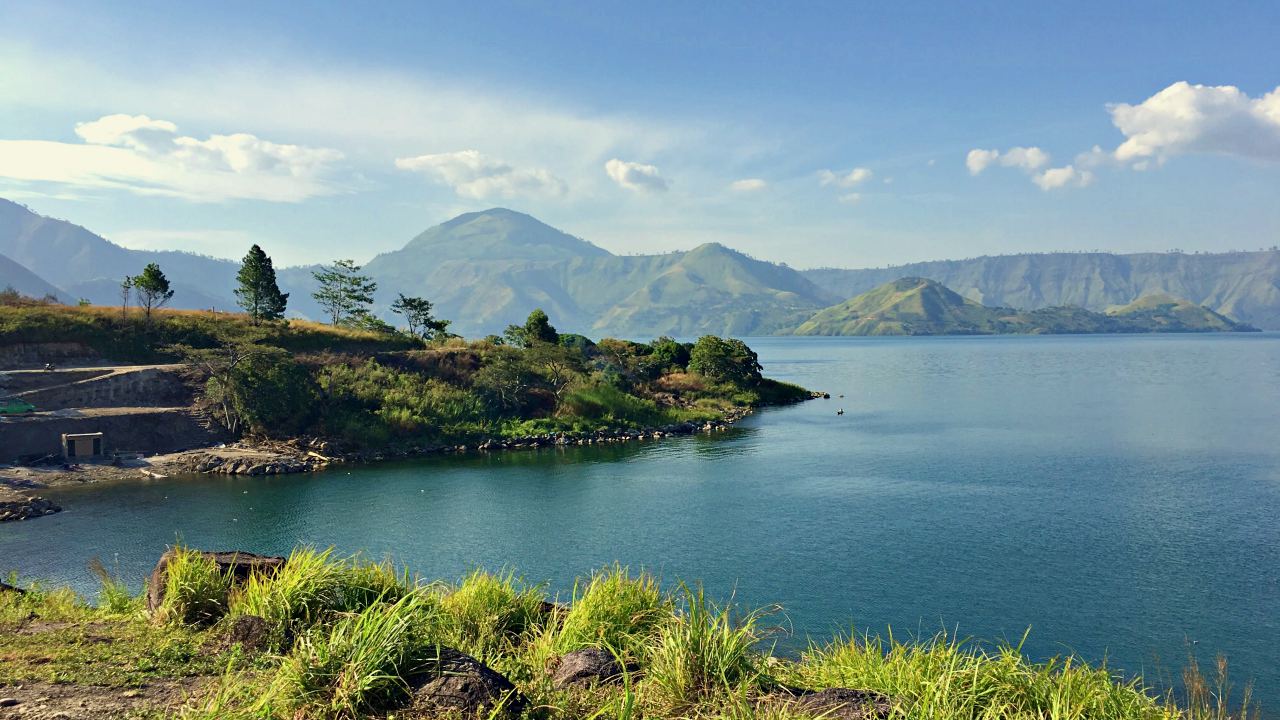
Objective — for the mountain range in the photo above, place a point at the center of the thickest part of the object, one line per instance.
(485, 270)
(920, 306)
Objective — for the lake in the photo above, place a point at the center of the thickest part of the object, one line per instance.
(1118, 495)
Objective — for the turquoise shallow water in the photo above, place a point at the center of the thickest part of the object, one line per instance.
(1118, 496)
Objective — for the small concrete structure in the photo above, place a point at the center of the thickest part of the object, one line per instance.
(81, 445)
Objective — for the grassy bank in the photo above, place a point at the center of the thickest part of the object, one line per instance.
(347, 638)
(130, 336)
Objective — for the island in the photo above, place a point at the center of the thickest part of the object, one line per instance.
(920, 306)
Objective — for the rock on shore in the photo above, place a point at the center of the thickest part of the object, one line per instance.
(27, 508)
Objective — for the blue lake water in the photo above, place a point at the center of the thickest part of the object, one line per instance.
(1119, 496)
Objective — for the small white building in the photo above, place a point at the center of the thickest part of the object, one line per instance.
(81, 446)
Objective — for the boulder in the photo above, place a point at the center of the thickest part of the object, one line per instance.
(250, 632)
(6, 587)
(837, 703)
(240, 565)
(462, 684)
(585, 668)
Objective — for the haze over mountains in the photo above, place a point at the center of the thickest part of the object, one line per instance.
(487, 269)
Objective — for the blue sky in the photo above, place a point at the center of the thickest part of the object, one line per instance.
(845, 134)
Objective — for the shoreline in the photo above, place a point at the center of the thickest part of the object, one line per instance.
(255, 458)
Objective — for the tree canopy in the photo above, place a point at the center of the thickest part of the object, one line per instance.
(344, 293)
(152, 288)
(257, 291)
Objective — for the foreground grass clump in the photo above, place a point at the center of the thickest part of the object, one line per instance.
(362, 663)
(196, 591)
(352, 639)
(311, 588)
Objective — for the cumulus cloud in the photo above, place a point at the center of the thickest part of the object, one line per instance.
(148, 157)
(1024, 158)
(850, 179)
(1185, 118)
(472, 174)
(635, 176)
(1060, 177)
(747, 185)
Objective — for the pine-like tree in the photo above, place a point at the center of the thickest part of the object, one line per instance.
(258, 292)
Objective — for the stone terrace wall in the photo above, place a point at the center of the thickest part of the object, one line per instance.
(160, 430)
(150, 387)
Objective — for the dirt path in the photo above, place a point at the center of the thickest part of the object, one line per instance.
(49, 701)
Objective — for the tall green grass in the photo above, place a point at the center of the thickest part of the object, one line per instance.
(196, 591)
(614, 610)
(487, 614)
(704, 652)
(312, 586)
(362, 663)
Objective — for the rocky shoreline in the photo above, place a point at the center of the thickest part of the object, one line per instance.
(303, 455)
(26, 508)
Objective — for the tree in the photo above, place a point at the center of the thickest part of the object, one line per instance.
(537, 328)
(152, 288)
(251, 386)
(725, 361)
(344, 293)
(126, 289)
(258, 292)
(417, 315)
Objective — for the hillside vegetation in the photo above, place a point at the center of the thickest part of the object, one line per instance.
(919, 306)
(329, 637)
(370, 389)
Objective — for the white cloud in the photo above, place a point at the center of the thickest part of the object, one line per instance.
(1185, 118)
(850, 198)
(978, 160)
(747, 185)
(472, 174)
(1060, 177)
(635, 176)
(1025, 158)
(845, 180)
(148, 157)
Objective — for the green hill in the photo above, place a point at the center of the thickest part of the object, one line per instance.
(918, 306)
(1165, 313)
(907, 306)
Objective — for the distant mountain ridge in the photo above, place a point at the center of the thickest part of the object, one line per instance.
(920, 306)
(1242, 285)
(485, 270)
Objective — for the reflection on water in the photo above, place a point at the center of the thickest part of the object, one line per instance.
(1116, 495)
